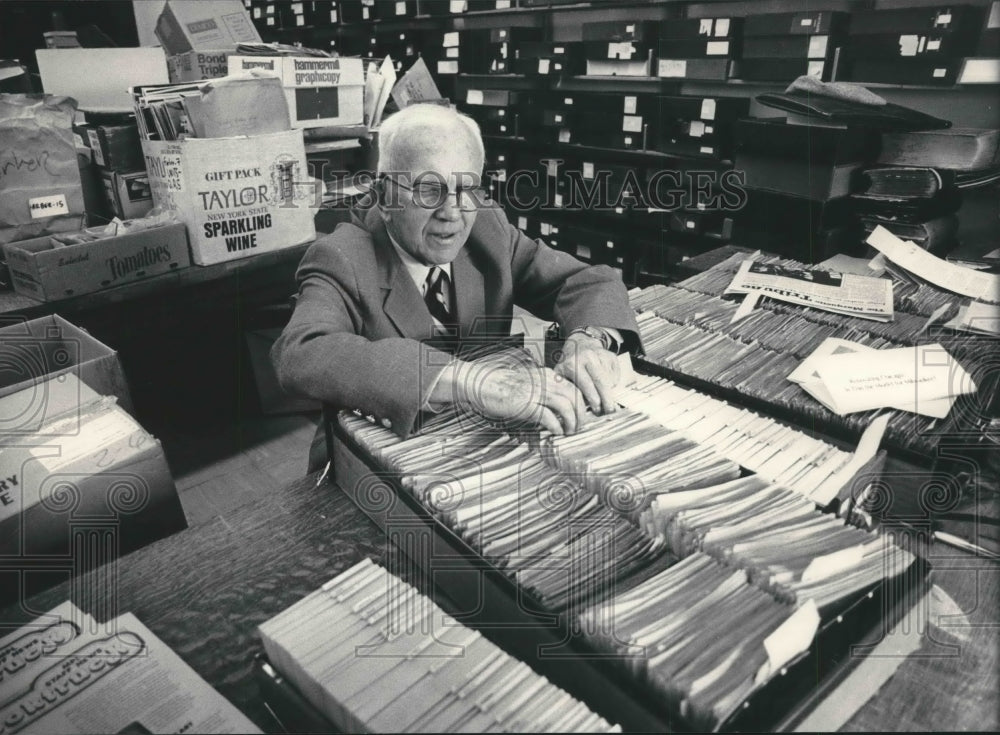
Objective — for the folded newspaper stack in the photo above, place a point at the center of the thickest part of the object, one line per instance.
(65, 672)
(841, 293)
(847, 377)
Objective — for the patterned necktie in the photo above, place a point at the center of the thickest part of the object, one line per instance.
(438, 295)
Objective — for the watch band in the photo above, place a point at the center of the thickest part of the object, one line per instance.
(602, 335)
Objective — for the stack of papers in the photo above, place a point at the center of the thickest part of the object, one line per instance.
(847, 377)
(841, 293)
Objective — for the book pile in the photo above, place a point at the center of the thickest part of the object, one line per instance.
(780, 47)
(922, 45)
(984, 66)
(375, 655)
(65, 672)
(917, 189)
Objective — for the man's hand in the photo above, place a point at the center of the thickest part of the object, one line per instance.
(513, 391)
(593, 369)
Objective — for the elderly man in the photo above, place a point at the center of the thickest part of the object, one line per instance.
(428, 257)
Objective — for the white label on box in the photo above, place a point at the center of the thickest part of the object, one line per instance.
(522, 223)
(501, 112)
(672, 68)
(401, 7)
(333, 16)
(447, 67)
(817, 46)
(934, 44)
(564, 135)
(815, 69)
(558, 200)
(619, 210)
(503, 33)
(502, 174)
(697, 129)
(708, 109)
(722, 26)
(631, 104)
(270, 20)
(48, 206)
(451, 53)
(457, 6)
(366, 13)
(583, 251)
(552, 167)
(95, 147)
(620, 50)
(806, 22)
(558, 118)
(567, 101)
(717, 48)
(557, 66)
(705, 27)
(554, 229)
(709, 130)
(558, 50)
(451, 39)
(908, 45)
(297, 8)
(300, 20)
(943, 19)
(609, 244)
(588, 170)
(544, 228)
(706, 149)
(257, 13)
(632, 124)
(938, 73)
(628, 140)
(474, 97)
(503, 4)
(503, 128)
(690, 224)
(630, 28)
(543, 66)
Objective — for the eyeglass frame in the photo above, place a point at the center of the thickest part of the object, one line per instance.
(444, 192)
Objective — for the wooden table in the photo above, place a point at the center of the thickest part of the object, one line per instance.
(205, 590)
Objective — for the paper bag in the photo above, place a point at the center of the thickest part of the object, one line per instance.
(40, 189)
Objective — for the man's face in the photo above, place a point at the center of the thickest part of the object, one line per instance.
(432, 235)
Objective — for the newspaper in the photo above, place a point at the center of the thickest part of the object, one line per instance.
(66, 673)
(841, 293)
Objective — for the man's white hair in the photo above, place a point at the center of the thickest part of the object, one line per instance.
(395, 134)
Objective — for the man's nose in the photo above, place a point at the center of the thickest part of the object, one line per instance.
(449, 209)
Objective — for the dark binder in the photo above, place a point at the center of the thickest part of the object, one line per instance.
(831, 109)
(806, 23)
(962, 20)
(698, 48)
(491, 97)
(933, 73)
(622, 30)
(782, 70)
(620, 50)
(572, 65)
(805, 142)
(792, 176)
(905, 47)
(819, 46)
(395, 9)
(516, 35)
(546, 50)
(707, 69)
(700, 28)
(702, 108)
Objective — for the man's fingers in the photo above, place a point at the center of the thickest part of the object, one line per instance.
(550, 421)
(561, 400)
(604, 377)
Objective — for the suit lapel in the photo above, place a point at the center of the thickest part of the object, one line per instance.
(470, 294)
(402, 304)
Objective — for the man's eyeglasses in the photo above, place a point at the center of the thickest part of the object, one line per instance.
(432, 194)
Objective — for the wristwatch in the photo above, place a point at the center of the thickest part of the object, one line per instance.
(602, 335)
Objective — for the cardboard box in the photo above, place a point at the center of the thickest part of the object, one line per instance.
(50, 346)
(99, 78)
(321, 92)
(49, 271)
(204, 26)
(238, 196)
(193, 66)
(127, 194)
(114, 147)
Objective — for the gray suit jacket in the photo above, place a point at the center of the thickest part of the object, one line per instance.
(355, 338)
